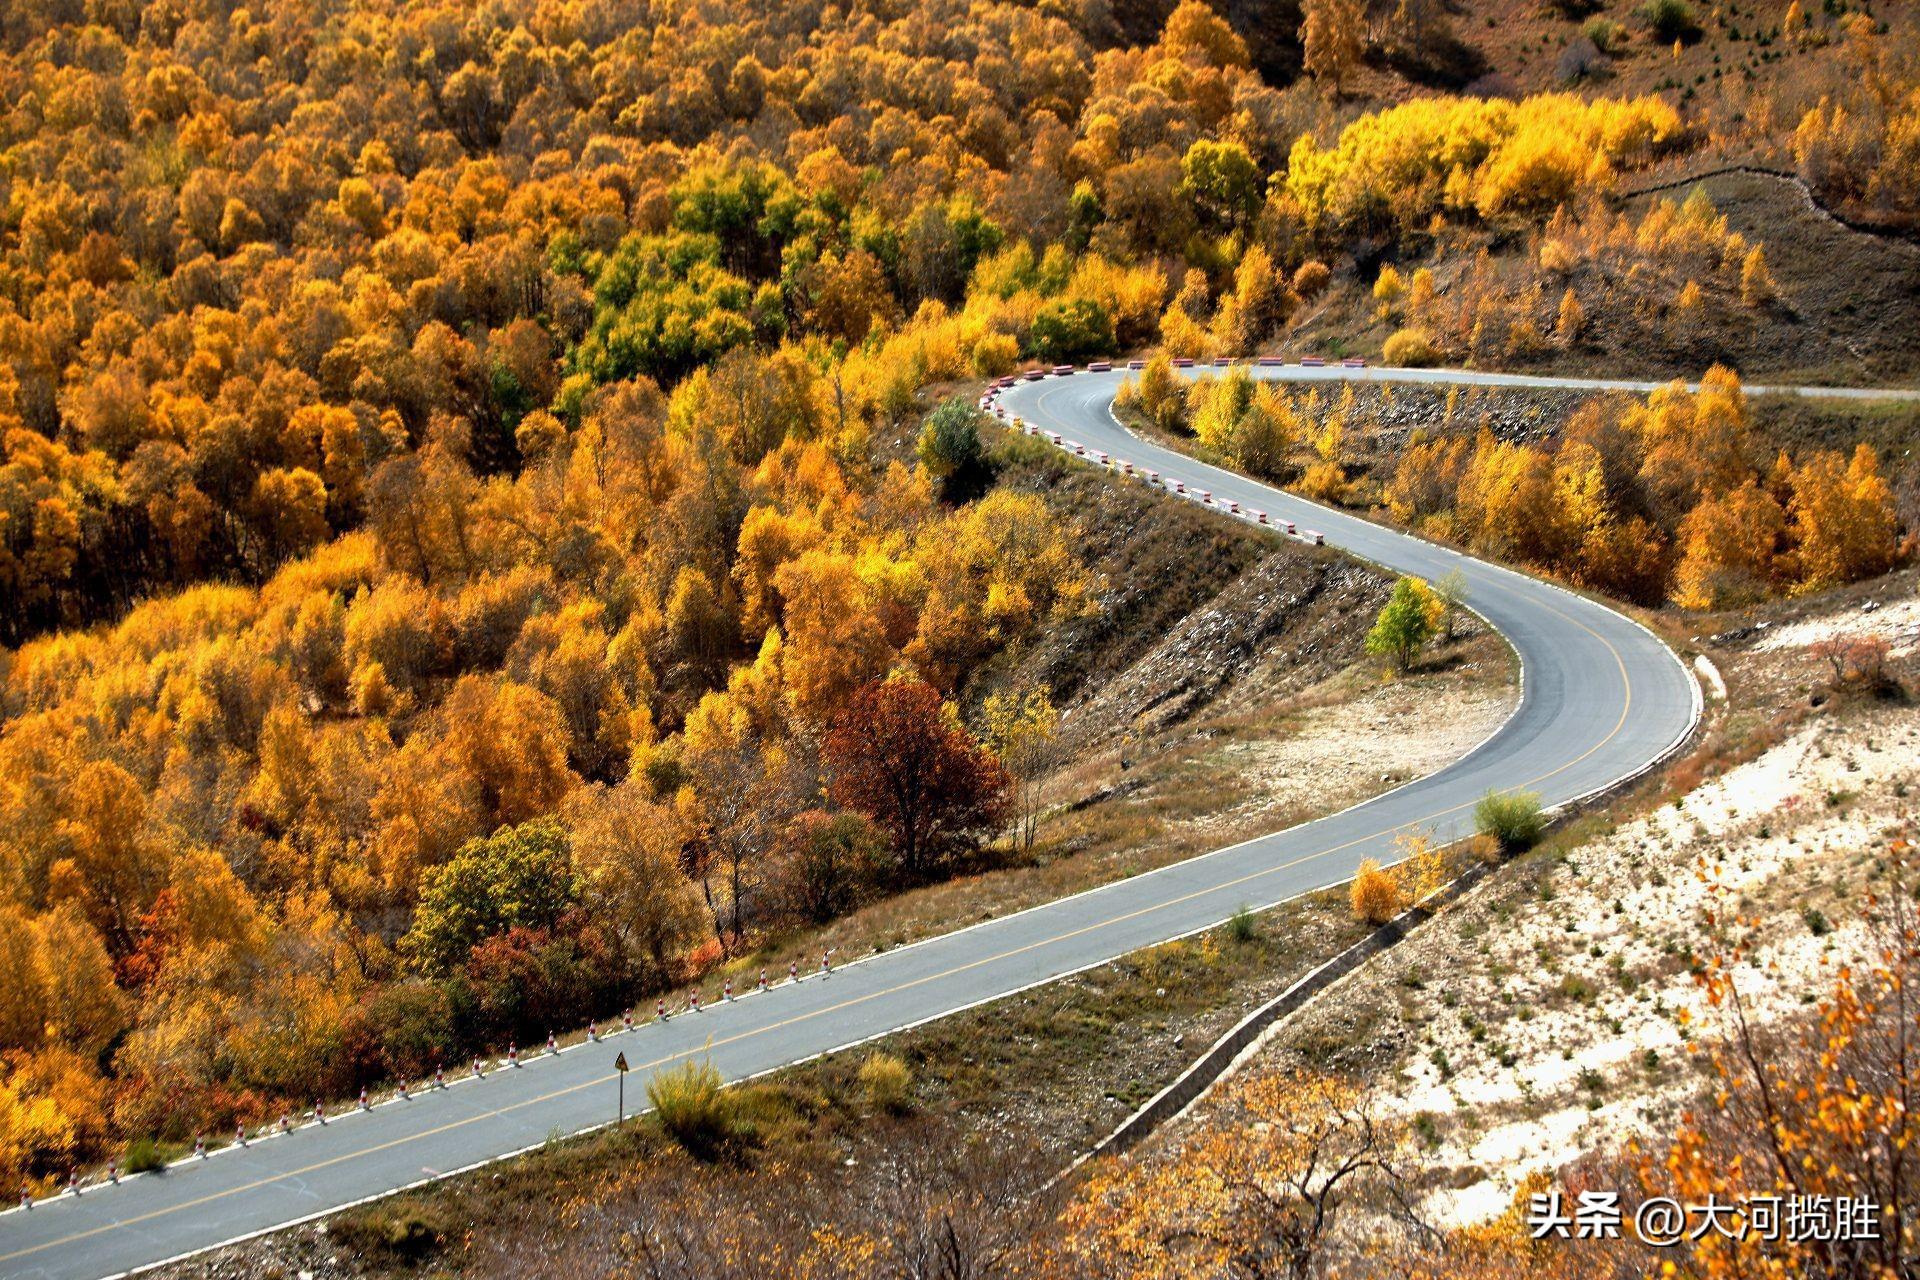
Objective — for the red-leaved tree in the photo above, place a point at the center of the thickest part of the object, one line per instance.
(894, 756)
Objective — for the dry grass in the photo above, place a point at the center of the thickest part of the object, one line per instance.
(888, 1082)
(691, 1104)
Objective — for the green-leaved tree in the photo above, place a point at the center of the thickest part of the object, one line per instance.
(517, 877)
(950, 447)
(1405, 624)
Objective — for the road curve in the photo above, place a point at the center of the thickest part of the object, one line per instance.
(1602, 699)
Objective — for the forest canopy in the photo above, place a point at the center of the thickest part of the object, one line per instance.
(457, 550)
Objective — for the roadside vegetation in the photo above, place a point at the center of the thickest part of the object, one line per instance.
(1513, 819)
(1409, 619)
(949, 1134)
(1676, 497)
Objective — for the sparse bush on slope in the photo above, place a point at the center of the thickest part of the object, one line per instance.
(693, 1105)
(1513, 818)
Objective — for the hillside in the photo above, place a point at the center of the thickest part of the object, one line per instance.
(1836, 310)
(496, 529)
(1161, 768)
(1569, 1020)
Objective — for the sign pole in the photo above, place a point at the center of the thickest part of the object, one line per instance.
(620, 1107)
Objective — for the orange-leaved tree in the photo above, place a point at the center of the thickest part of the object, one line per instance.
(1258, 1191)
(898, 756)
(1824, 1106)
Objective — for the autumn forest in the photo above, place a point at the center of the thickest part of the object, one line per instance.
(493, 524)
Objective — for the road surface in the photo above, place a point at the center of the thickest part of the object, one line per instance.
(1602, 700)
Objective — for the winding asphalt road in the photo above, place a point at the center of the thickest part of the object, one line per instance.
(1602, 700)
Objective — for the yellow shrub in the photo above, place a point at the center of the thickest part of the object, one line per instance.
(888, 1082)
(1410, 348)
(995, 354)
(1183, 336)
(1311, 278)
(1325, 480)
(1376, 894)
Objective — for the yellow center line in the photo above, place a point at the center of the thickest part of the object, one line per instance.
(708, 1047)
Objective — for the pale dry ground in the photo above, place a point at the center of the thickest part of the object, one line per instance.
(1342, 753)
(1896, 619)
(1564, 1030)
(1554, 1013)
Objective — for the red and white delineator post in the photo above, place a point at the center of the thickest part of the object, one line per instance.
(199, 1147)
(513, 1055)
(364, 1104)
(553, 1046)
(628, 1016)
(763, 979)
(793, 971)
(477, 1072)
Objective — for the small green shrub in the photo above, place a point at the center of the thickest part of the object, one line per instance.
(1574, 987)
(143, 1154)
(1606, 34)
(1513, 818)
(1669, 19)
(1241, 926)
(888, 1082)
(949, 443)
(693, 1107)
